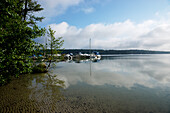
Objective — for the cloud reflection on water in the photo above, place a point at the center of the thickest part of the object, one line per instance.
(124, 71)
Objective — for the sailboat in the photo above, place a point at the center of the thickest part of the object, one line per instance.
(94, 54)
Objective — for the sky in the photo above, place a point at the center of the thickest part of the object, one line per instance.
(111, 24)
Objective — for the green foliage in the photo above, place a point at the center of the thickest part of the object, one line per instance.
(40, 68)
(37, 49)
(16, 34)
(54, 43)
(31, 6)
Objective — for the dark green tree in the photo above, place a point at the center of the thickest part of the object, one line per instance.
(17, 29)
(31, 6)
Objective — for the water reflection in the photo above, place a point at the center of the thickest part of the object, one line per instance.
(78, 60)
(122, 71)
(46, 86)
(32, 93)
(118, 84)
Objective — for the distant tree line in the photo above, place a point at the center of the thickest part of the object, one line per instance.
(105, 52)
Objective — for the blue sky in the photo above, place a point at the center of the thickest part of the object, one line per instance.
(110, 11)
(84, 19)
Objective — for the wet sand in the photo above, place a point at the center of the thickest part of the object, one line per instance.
(41, 93)
(25, 95)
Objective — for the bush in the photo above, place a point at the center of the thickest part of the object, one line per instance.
(40, 68)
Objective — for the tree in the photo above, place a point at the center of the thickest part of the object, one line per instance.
(17, 29)
(29, 7)
(54, 43)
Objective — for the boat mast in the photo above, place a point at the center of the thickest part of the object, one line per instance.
(90, 54)
(90, 46)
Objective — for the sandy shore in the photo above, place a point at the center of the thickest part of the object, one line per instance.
(36, 93)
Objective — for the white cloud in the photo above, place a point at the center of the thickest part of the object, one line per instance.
(124, 35)
(56, 7)
(146, 72)
(88, 10)
(150, 34)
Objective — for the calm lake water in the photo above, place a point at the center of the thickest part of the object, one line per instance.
(119, 83)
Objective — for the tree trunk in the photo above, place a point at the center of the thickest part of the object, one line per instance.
(25, 11)
(51, 56)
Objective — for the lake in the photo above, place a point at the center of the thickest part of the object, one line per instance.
(119, 83)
